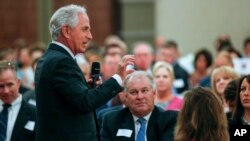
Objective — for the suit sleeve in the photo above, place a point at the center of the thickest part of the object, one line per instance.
(72, 87)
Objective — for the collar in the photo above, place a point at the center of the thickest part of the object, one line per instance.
(17, 101)
(145, 117)
(64, 47)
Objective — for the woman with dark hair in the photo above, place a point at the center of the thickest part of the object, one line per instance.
(202, 61)
(230, 95)
(241, 114)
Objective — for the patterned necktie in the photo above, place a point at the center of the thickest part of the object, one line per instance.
(4, 121)
(141, 133)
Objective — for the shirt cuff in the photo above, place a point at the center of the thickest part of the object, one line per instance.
(118, 79)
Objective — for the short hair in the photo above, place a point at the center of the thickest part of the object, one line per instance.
(165, 65)
(207, 54)
(171, 44)
(135, 46)
(6, 64)
(67, 15)
(231, 90)
(137, 74)
(34, 49)
(225, 69)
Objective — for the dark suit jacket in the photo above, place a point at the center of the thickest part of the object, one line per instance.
(181, 74)
(65, 104)
(160, 125)
(27, 113)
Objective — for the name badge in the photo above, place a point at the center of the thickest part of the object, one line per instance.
(124, 132)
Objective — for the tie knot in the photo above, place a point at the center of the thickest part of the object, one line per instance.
(141, 121)
(6, 106)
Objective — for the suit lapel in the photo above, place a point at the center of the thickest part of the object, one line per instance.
(127, 122)
(21, 120)
(151, 130)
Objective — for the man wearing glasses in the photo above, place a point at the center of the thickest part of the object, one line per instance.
(17, 118)
(141, 120)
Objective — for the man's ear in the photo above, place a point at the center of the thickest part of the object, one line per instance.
(65, 31)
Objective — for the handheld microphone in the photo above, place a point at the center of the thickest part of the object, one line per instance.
(95, 73)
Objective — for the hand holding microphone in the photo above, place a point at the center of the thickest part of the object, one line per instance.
(95, 74)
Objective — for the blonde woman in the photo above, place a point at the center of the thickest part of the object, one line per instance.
(219, 79)
(164, 76)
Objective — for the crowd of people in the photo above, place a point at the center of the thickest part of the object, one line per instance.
(45, 92)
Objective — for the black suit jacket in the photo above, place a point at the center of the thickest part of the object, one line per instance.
(65, 104)
(182, 75)
(160, 125)
(27, 113)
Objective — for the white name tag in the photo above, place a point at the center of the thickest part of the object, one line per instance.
(124, 132)
(30, 125)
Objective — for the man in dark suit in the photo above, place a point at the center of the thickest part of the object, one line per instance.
(20, 116)
(124, 125)
(65, 103)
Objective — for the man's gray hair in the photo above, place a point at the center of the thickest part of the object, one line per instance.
(67, 15)
(138, 74)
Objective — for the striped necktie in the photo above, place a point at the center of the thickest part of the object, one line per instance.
(4, 121)
(141, 134)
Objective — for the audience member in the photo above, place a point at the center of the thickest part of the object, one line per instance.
(144, 56)
(116, 48)
(223, 58)
(246, 47)
(241, 114)
(17, 118)
(110, 65)
(25, 70)
(201, 118)
(159, 42)
(140, 119)
(30, 96)
(220, 78)
(202, 61)
(170, 54)
(223, 42)
(163, 77)
(230, 96)
(36, 50)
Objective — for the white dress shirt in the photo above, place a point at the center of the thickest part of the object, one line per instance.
(138, 125)
(115, 76)
(12, 115)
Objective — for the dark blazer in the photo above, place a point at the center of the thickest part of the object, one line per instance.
(181, 74)
(160, 125)
(27, 114)
(65, 103)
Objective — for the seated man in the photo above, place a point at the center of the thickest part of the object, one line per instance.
(17, 117)
(140, 120)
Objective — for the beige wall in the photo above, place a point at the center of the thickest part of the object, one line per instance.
(196, 23)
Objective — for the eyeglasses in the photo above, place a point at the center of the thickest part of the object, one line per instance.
(6, 64)
(135, 92)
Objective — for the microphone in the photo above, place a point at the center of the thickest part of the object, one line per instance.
(95, 73)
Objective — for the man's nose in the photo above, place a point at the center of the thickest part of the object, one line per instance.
(90, 36)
